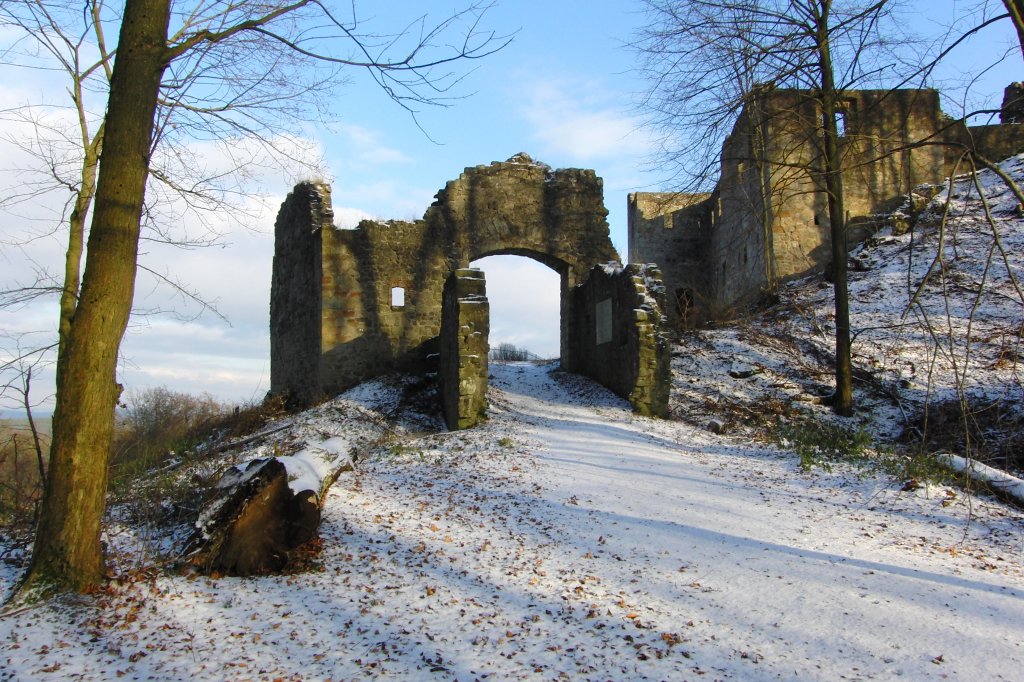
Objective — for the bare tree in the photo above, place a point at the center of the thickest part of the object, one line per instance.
(21, 361)
(62, 139)
(185, 56)
(220, 116)
(1015, 8)
(706, 59)
(509, 352)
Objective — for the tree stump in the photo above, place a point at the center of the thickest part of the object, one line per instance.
(265, 510)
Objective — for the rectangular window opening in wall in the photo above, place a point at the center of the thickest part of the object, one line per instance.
(603, 322)
(397, 297)
(841, 123)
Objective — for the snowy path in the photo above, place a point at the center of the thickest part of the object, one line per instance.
(569, 539)
(801, 579)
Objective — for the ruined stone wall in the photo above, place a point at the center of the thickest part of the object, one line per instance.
(675, 227)
(1012, 108)
(768, 215)
(881, 164)
(382, 285)
(710, 258)
(736, 267)
(523, 208)
(517, 207)
(465, 324)
(620, 337)
(295, 293)
(993, 142)
(880, 167)
(796, 213)
(652, 220)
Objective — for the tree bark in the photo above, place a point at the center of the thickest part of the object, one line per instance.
(1016, 10)
(76, 232)
(842, 400)
(67, 554)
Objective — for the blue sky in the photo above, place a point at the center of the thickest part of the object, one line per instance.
(562, 91)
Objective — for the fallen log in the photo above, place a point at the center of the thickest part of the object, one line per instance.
(1002, 484)
(264, 509)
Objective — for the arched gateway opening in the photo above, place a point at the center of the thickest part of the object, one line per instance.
(525, 306)
(347, 305)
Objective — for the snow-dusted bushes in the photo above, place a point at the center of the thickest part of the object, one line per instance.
(819, 443)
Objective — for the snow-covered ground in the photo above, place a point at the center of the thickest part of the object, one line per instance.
(570, 539)
(567, 538)
(936, 317)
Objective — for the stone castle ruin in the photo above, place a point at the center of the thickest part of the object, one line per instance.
(349, 305)
(767, 221)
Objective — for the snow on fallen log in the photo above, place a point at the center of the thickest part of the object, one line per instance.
(1001, 483)
(264, 509)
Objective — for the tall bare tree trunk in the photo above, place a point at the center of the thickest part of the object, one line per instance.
(1016, 10)
(76, 235)
(67, 552)
(842, 400)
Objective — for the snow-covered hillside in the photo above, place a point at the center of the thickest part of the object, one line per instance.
(567, 538)
(929, 332)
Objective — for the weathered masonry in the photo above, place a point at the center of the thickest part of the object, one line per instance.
(462, 376)
(348, 305)
(622, 341)
(767, 219)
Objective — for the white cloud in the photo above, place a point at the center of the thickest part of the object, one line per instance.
(347, 218)
(230, 363)
(525, 300)
(581, 121)
(383, 199)
(246, 166)
(365, 145)
(207, 354)
(585, 122)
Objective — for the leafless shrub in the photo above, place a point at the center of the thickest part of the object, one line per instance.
(155, 424)
(20, 484)
(992, 431)
(508, 352)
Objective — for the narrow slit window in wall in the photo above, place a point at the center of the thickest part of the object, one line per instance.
(841, 123)
(603, 332)
(397, 297)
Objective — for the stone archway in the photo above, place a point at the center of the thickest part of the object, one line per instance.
(347, 305)
(521, 207)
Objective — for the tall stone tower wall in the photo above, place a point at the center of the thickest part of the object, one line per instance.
(295, 293)
(767, 219)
